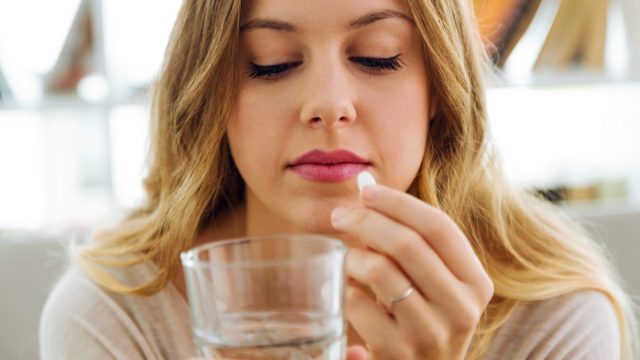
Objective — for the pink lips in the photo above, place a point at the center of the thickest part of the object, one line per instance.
(333, 166)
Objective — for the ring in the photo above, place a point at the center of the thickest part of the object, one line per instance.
(405, 294)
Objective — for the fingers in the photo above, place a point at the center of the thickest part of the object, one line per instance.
(407, 249)
(387, 281)
(378, 272)
(357, 353)
(409, 242)
(444, 236)
(372, 323)
(368, 318)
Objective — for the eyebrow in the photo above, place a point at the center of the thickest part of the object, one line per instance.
(367, 19)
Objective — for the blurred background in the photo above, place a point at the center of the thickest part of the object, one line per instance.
(74, 79)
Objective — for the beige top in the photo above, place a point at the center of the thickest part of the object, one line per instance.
(82, 321)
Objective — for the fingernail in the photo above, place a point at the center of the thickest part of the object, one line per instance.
(370, 192)
(338, 215)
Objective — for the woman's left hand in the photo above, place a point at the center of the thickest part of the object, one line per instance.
(411, 244)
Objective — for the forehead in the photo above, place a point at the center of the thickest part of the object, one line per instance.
(323, 15)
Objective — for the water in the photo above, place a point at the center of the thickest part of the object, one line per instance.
(275, 336)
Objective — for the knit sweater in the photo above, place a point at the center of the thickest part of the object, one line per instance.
(81, 320)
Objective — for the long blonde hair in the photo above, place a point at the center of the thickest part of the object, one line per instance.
(530, 250)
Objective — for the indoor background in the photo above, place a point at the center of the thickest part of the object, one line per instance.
(564, 108)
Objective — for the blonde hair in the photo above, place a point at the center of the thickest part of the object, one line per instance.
(529, 249)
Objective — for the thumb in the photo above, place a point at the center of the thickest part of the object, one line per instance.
(357, 352)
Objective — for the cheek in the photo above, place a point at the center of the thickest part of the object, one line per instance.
(400, 131)
(244, 131)
(256, 134)
(259, 115)
(402, 151)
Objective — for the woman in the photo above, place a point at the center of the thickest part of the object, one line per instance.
(263, 115)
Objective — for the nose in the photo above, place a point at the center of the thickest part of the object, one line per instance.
(327, 99)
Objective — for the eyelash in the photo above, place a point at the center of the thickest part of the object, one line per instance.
(375, 66)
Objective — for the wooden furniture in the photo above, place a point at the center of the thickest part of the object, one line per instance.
(576, 38)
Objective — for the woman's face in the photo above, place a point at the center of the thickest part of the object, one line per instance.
(325, 75)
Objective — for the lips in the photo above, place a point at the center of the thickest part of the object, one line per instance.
(320, 157)
(333, 166)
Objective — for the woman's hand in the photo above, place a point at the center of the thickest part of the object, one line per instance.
(411, 244)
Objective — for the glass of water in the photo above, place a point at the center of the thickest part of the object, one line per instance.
(268, 297)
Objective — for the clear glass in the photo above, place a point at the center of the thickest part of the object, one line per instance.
(268, 297)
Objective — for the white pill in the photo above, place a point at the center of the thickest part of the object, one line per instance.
(365, 178)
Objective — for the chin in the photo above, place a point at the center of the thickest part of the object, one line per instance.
(314, 221)
(314, 215)
(317, 226)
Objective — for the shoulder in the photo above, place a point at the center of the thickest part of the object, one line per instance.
(81, 318)
(581, 325)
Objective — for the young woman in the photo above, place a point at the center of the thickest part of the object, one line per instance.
(264, 114)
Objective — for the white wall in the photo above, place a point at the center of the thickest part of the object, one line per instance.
(620, 230)
(28, 271)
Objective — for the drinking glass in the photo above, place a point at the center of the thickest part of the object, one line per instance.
(268, 297)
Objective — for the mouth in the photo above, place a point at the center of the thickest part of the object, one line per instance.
(328, 172)
(328, 166)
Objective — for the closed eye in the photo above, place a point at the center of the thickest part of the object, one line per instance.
(373, 66)
(270, 72)
(377, 66)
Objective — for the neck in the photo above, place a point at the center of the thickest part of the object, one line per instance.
(247, 219)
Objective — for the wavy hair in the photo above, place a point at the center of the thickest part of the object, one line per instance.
(530, 250)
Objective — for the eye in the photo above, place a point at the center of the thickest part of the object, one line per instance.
(374, 66)
(270, 72)
(377, 66)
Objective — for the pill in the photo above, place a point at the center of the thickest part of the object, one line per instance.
(365, 178)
